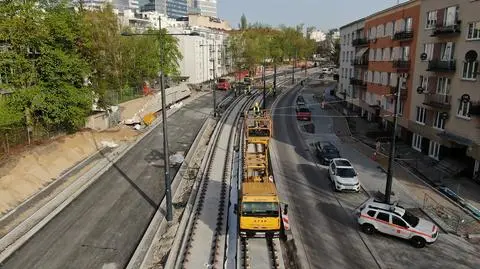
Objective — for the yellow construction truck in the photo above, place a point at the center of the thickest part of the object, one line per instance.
(259, 210)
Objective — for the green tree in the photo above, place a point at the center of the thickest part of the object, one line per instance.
(243, 22)
(42, 64)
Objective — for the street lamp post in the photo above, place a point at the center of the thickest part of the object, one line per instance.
(214, 78)
(293, 67)
(275, 78)
(388, 186)
(168, 190)
(264, 86)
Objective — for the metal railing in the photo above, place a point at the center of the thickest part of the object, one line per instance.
(360, 62)
(360, 42)
(438, 100)
(404, 35)
(443, 66)
(443, 29)
(401, 64)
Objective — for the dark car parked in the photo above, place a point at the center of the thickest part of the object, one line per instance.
(325, 152)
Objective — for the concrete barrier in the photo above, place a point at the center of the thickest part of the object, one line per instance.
(136, 109)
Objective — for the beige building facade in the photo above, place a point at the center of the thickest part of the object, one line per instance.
(444, 111)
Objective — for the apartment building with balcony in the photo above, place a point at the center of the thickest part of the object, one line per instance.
(445, 105)
(384, 50)
(351, 34)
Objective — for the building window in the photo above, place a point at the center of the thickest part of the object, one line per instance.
(470, 70)
(473, 31)
(424, 82)
(438, 121)
(428, 49)
(447, 51)
(443, 85)
(464, 109)
(417, 142)
(421, 115)
(434, 150)
(431, 19)
(408, 24)
(405, 53)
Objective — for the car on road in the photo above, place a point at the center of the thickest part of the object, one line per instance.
(247, 81)
(327, 70)
(326, 152)
(303, 113)
(223, 84)
(343, 176)
(300, 101)
(392, 219)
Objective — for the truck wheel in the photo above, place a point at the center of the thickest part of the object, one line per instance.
(418, 242)
(368, 228)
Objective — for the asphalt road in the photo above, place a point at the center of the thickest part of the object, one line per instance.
(318, 218)
(103, 226)
(325, 231)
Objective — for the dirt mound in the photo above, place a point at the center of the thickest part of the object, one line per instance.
(25, 174)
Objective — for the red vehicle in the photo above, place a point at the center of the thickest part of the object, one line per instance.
(223, 84)
(303, 113)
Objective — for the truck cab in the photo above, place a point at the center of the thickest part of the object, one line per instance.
(259, 210)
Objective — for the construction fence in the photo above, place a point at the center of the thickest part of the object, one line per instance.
(453, 221)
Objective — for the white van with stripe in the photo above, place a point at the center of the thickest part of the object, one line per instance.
(395, 220)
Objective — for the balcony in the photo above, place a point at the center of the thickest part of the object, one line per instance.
(359, 83)
(360, 62)
(359, 42)
(475, 108)
(441, 101)
(403, 92)
(404, 35)
(442, 29)
(401, 64)
(441, 66)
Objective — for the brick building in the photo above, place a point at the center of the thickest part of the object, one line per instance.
(434, 45)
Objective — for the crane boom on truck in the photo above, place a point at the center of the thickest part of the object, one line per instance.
(259, 210)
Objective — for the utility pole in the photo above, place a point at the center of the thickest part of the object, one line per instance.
(214, 79)
(274, 79)
(264, 86)
(293, 67)
(388, 187)
(168, 190)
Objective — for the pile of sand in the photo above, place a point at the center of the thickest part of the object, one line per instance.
(23, 175)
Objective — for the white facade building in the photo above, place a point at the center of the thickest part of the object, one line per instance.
(348, 53)
(204, 56)
(318, 36)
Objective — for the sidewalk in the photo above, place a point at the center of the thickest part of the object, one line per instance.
(447, 213)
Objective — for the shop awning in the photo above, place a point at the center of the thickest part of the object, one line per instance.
(361, 52)
(456, 138)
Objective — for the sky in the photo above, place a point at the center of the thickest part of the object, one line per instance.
(323, 14)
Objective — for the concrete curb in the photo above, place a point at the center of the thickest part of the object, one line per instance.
(144, 251)
(292, 233)
(25, 230)
(180, 234)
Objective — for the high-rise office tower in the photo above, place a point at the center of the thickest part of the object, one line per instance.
(206, 7)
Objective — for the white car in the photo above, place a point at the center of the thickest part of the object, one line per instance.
(327, 71)
(395, 220)
(343, 175)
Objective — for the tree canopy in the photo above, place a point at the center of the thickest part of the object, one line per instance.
(258, 43)
(56, 60)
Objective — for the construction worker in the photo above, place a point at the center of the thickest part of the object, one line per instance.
(256, 109)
